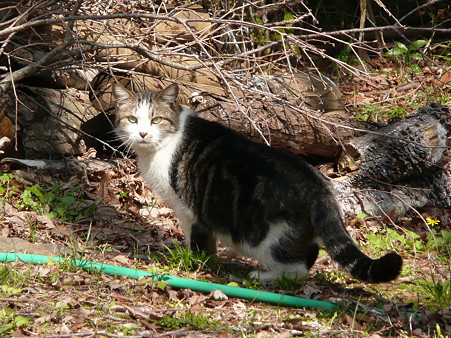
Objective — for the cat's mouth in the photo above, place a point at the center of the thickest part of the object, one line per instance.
(144, 143)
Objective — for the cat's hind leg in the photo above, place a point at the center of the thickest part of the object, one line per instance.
(288, 260)
(293, 271)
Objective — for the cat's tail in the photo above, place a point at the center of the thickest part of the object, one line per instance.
(344, 251)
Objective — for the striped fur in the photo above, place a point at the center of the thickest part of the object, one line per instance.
(260, 201)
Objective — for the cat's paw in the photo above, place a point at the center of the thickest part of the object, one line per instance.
(264, 276)
(270, 276)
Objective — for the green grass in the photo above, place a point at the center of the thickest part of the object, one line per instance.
(433, 293)
(185, 259)
(191, 320)
(376, 113)
(12, 282)
(437, 294)
(12, 277)
(288, 283)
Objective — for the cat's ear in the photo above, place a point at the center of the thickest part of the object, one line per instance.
(121, 94)
(169, 94)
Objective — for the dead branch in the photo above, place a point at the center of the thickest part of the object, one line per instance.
(31, 69)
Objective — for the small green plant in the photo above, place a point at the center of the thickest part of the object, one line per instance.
(408, 53)
(188, 319)
(68, 264)
(336, 276)
(374, 113)
(8, 291)
(437, 293)
(253, 284)
(7, 188)
(397, 112)
(12, 278)
(369, 113)
(9, 321)
(288, 283)
(439, 241)
(188, 260)
(55, 201)
(386, 238)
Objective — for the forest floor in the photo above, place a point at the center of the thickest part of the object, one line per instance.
(109, 216)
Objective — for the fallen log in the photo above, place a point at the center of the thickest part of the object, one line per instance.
(50, 122)
(298, 113)
(406, 148)
(400, 167)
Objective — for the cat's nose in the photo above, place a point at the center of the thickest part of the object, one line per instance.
(142, 134)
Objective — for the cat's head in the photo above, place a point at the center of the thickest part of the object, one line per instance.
(144, 120)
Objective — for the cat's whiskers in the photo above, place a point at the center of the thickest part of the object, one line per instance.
(127, 143)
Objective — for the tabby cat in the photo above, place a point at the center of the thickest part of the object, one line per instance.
(260, 201)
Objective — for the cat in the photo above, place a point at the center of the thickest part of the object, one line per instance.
(260, 201)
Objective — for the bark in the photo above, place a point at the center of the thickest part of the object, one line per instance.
(400, 150)
(50, 122)
(7, 130)
(433, 188)
(401, 167)
(67, 167)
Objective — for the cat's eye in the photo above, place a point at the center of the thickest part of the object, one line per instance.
(156, 120)
(132, 119)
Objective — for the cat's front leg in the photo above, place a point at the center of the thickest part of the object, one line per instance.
(202, 240)
(196, 237)
(186, 223)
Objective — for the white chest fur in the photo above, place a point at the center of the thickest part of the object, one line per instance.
(155, 168)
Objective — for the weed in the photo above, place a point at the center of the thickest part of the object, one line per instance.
(66, 205)
(288, 283)
(369, 113)
(9, 321)
(438, 293)
(68, 264)
(55, 202)
(337, 276)
(190, 261)
(409, 54)
(397, 112)
(386, 238)
(374, 113)
(8, 291)
(7, 187)
(253, 284)
(188, 319)
(440, 242)
(11, 277)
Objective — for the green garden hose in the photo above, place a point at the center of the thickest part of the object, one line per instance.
(179, 283)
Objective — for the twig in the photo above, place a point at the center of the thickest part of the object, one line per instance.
(31, 69)
(427, 4)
